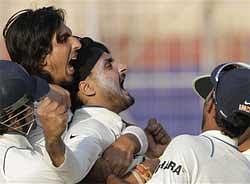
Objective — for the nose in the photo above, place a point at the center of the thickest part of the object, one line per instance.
(122, 68)
(76, 43)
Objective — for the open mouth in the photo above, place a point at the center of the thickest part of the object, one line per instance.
(122, 84)
(71, 66)
(122, 81)
(72, 62)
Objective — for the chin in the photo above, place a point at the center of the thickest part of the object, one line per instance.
(66, 81)
(127, 102)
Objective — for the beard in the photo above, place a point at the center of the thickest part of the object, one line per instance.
(117, 99)
(119, 102)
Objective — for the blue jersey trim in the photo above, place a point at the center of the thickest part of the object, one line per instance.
(212, 143)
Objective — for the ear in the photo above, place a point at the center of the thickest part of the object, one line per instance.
(211, 106)
(86, 88)
(45, 64)
(210, 110)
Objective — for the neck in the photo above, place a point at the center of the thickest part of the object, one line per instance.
(101, 104)
(210, 124)
(245, 145)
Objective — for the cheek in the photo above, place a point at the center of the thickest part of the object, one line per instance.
(107, 83)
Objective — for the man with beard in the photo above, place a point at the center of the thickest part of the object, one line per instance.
(98, 98)
(213, 156)
(40, 41)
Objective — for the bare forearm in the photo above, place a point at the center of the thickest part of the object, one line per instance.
(99, 172)
(56, 151)
(151, 164)
(135, 142)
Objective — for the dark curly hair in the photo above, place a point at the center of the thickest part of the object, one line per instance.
(28, 36)
(235, 125)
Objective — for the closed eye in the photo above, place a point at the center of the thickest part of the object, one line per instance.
(108, 63)
(62, 38)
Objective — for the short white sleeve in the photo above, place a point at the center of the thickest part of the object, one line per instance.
(176, 163)
(87, 140)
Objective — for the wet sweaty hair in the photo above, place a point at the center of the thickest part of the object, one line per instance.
(28, 36)
(235, 125)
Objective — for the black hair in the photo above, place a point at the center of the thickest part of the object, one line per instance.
(235, 124)
(28, 36)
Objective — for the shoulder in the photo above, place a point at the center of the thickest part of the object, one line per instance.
(88, 129)
(185, 141)
(184, 146)
(82, 120)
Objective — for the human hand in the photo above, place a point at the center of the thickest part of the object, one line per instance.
(53, 117)
(59, 94)
(120, 154)
(158, 138)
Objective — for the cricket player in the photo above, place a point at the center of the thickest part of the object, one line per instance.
(20, 162)
(213, 156)
(99, 97)
(202, 85)
(43, 44)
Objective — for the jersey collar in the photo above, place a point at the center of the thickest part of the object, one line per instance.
(17, 140)
(108, 118)
(220, 136)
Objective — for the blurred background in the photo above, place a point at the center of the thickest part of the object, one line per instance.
(165, 43)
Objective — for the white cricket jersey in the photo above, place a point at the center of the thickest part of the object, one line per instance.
(92, 130)
(70, 169)
(210, 158)
(247, 154)
(21, 164)
(36, 136)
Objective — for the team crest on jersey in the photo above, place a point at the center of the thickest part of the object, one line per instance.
(170, 165)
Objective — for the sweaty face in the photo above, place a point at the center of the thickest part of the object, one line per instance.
(109, 78)
(59, 61)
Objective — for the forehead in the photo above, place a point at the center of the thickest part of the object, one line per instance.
(105, 57)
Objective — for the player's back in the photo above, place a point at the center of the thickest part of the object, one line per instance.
(208, 158)
(219, 160)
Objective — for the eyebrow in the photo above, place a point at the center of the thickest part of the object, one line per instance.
(62, 34)
(110, 59)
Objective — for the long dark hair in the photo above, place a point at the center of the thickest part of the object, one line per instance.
(28, 36)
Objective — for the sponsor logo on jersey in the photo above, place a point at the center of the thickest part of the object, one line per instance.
(170, 165)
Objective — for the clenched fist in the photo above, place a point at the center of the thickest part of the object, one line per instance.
(53, 117)
(158, 138)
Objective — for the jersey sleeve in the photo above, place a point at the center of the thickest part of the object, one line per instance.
(176, 163)
(87, 141)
